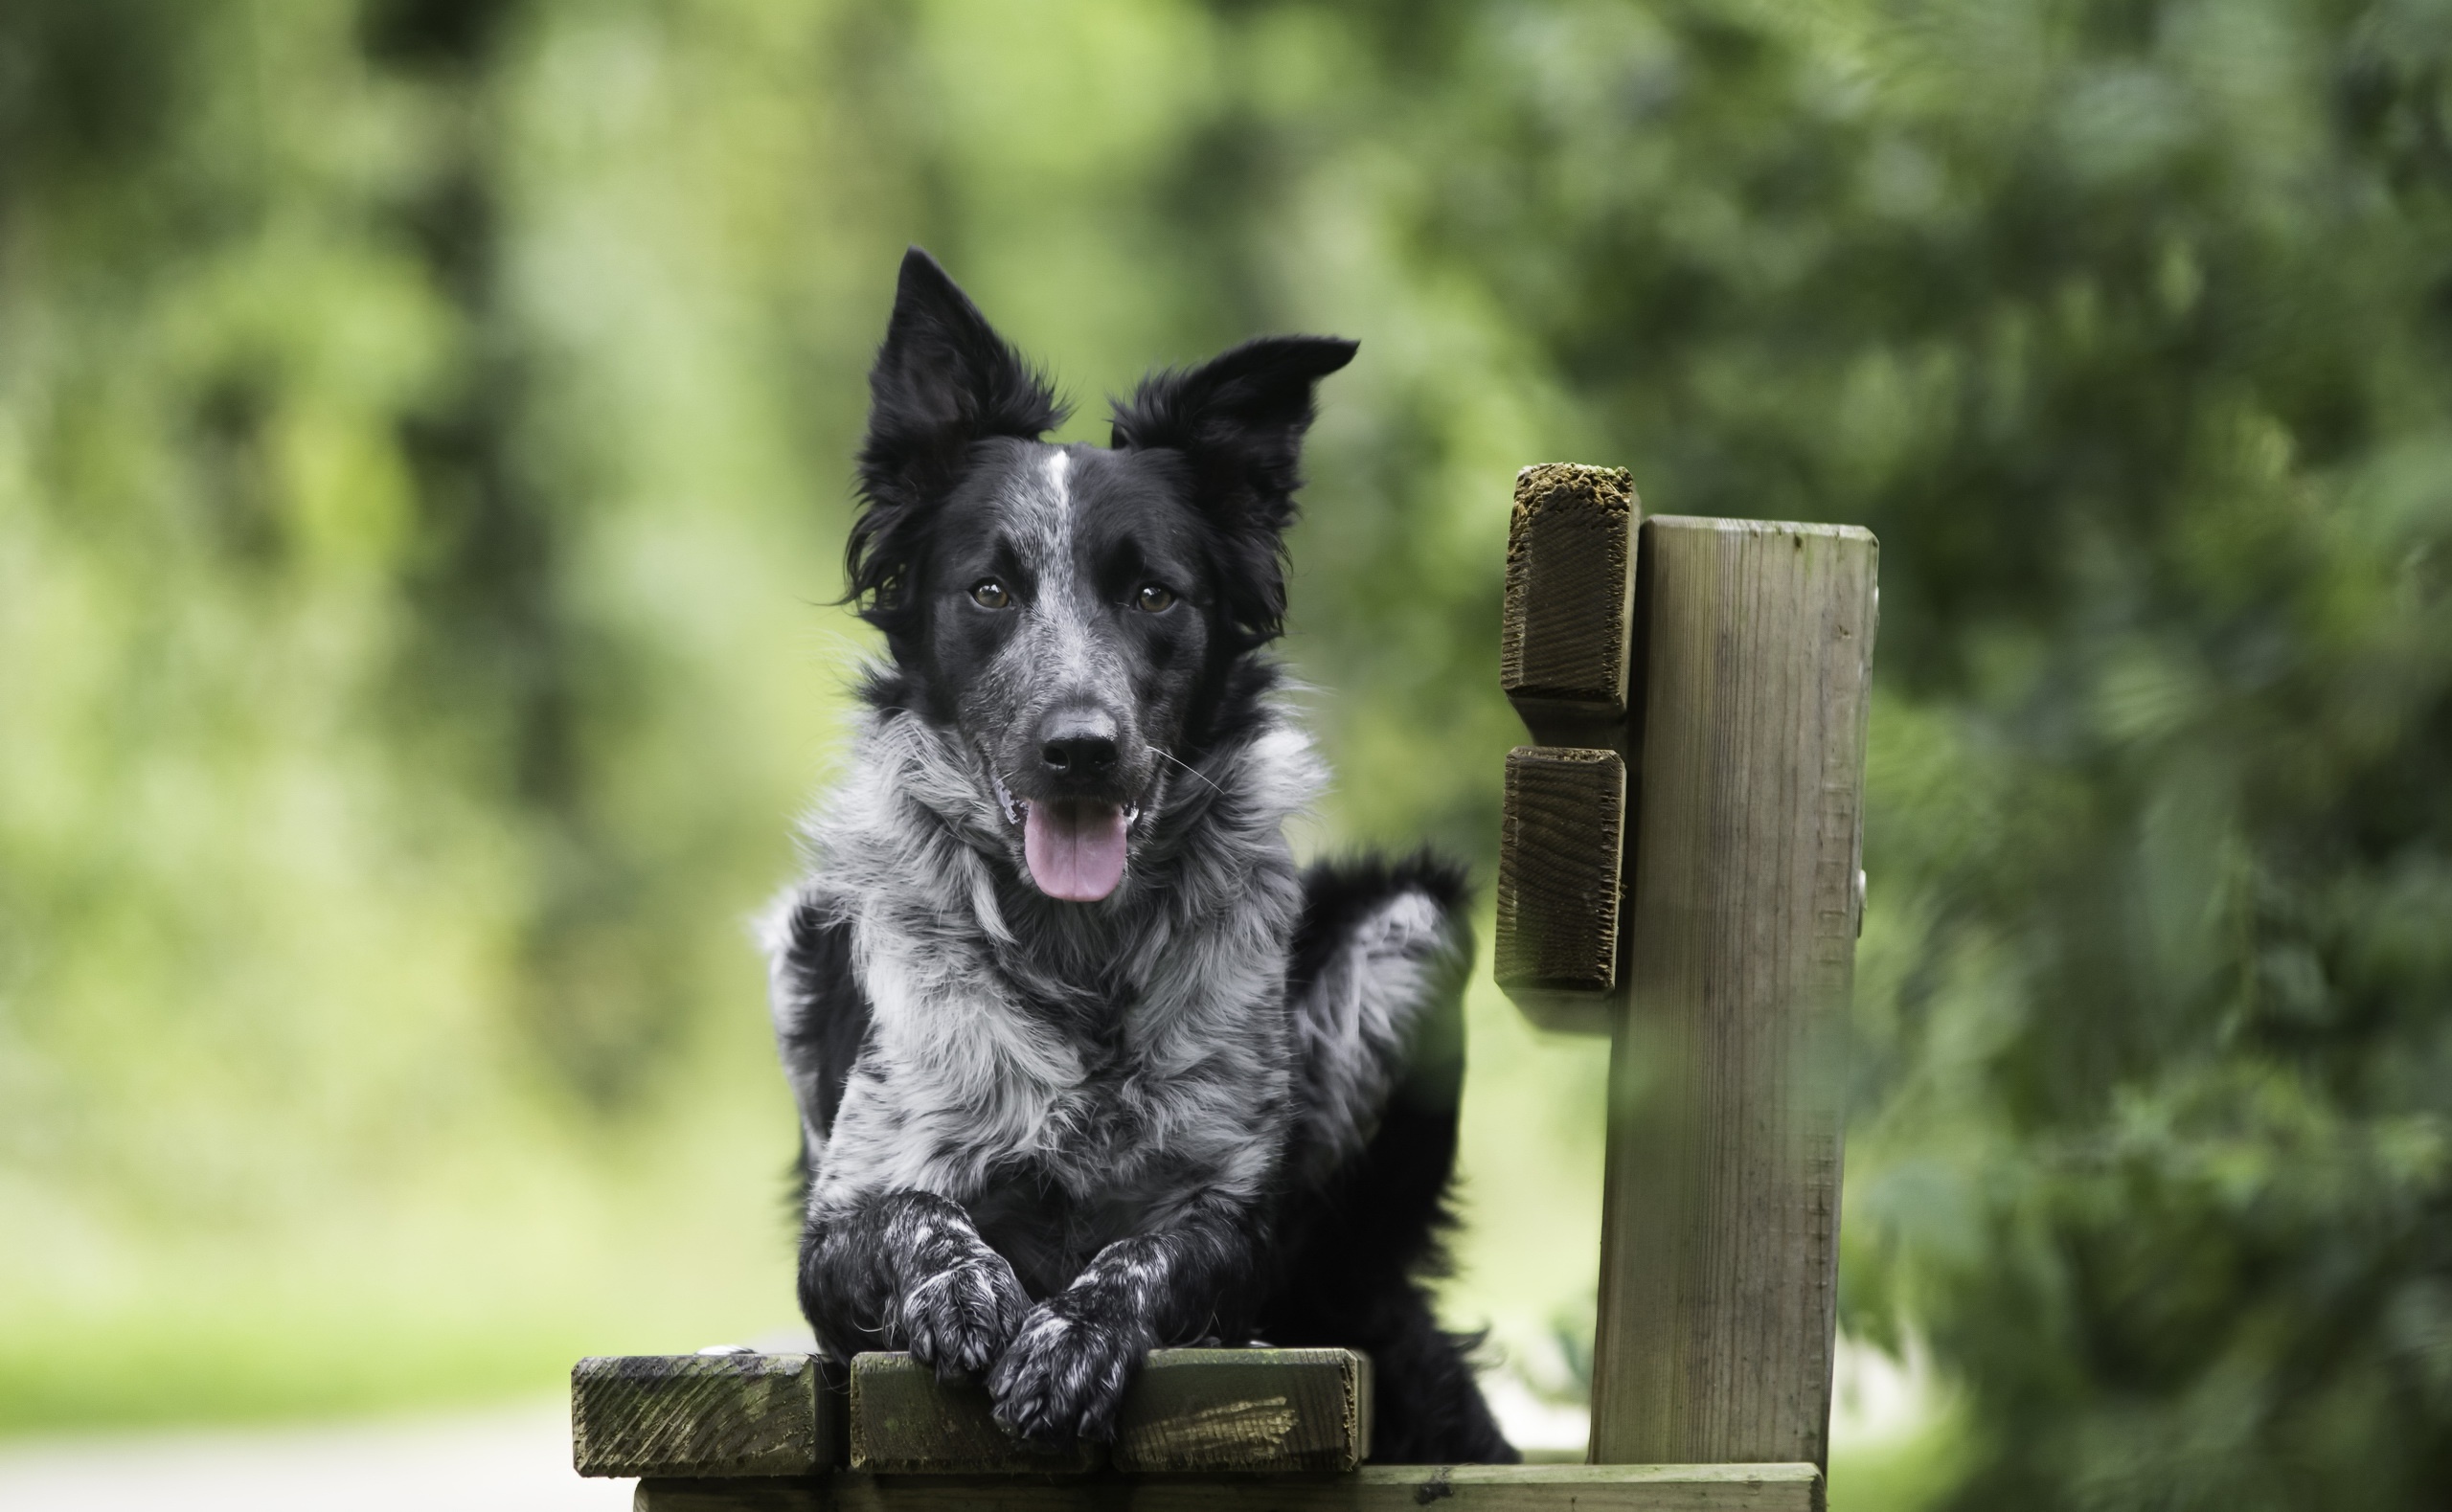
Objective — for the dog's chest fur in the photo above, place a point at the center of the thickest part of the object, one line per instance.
(1064, 1073)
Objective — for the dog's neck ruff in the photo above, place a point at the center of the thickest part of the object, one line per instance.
(1143, 1033)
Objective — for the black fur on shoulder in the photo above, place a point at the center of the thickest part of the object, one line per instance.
(1339, 890)
(1361, 1246)
(830, 1026)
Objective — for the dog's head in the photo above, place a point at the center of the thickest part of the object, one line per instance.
(1073, 613)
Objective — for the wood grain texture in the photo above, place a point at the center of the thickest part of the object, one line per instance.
(1188, 1411)
(1245, 1411)
(1719, 1247)
(724, 1414)
(905, 1421)
(1566, 625)
(1374, 1488)
(1562, 832)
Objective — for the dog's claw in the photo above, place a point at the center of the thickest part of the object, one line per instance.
(958, 1321)
(1063, 1376)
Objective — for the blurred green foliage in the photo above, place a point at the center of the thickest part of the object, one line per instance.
(423, 435)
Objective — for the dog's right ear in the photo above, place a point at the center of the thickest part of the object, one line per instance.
(943, 381)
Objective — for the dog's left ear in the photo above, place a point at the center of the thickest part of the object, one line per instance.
(1239, 419)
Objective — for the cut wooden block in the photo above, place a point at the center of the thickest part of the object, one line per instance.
(1720, 1228)
(1207, 1411)
(1559, 859)
(1566, 631)
(1569, 653)
(906, 1421)
(715, 1414)
(1374, 1488)
(1246, 1410)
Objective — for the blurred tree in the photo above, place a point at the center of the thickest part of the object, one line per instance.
(406, 558)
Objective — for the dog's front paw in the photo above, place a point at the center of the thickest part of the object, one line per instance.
(1063, 1376)
(958, 1318)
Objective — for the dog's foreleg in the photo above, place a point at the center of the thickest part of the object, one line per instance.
(908, 1270)
(1065, 1372)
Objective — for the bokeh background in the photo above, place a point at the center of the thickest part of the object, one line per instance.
(424, 437)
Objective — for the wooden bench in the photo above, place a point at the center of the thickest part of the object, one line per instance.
(1680, 868)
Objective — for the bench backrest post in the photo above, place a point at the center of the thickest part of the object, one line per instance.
(1732, 942)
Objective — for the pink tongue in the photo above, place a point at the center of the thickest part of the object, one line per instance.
(1076, 849)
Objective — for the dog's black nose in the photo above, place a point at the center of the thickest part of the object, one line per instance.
(1077, 743)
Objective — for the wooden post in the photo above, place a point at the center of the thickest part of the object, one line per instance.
(1743, 730)
(1720, 1244)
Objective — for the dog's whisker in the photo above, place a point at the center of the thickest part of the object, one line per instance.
(1186, 766)
(1005, 798)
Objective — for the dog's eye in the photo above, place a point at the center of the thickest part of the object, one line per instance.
(990, 593)
(1154, 599)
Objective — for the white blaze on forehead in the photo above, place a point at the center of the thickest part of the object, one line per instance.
(1039, 515)
(1061, 610)
(1059, 479)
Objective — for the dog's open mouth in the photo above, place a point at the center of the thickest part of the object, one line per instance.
(1075, 847)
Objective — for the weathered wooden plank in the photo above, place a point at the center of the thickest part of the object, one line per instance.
(1559, 860)
(713, 1414)
(1206, 1410)
(1246, 1410)
(906, 1421)
(747, 1415)
(1720, 1243)
(1374, 1488)
(1566, 630)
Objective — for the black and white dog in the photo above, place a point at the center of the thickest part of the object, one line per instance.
(1084, 1064)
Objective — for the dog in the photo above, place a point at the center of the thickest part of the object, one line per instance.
(1085, 1065)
